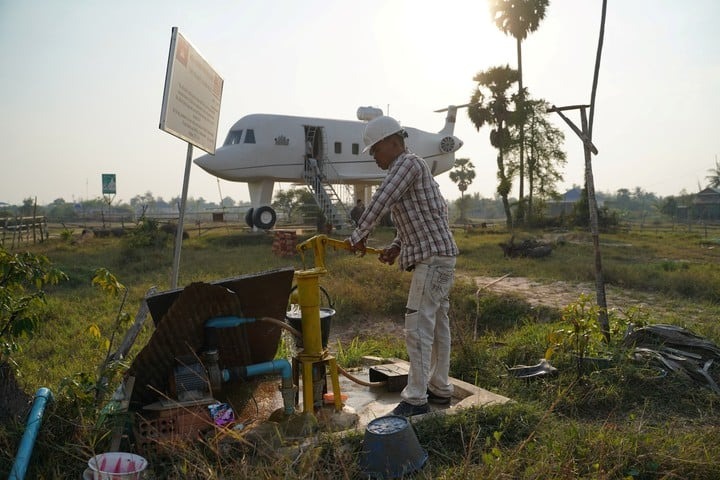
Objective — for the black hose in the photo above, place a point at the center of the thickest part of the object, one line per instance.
(340, 369)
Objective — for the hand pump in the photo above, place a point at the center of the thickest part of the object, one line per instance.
(308, 289)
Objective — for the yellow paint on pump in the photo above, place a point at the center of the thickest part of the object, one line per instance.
(308, 297)
(308, 289)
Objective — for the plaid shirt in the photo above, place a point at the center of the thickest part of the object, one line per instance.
(418, 210)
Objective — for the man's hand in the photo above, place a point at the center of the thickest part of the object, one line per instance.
(389, 255)
(358, 248)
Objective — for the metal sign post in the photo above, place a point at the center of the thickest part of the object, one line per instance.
(181, 218)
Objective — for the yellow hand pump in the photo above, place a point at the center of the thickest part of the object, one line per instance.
(308, 290)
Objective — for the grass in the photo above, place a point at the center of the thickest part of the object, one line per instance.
(614, 423)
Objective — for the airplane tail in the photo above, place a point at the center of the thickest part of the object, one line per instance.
(451, 110)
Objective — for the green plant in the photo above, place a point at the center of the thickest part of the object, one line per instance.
(23, 277)
(111, 367)
(66, 235)
(351, 355)
(583, 336)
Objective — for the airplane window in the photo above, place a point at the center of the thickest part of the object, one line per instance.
(233, 137)
(338, 147)
(355, 149)
(250, 136)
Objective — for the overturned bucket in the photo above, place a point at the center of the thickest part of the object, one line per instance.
(391, 449)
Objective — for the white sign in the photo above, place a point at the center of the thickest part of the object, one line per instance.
(191, 100)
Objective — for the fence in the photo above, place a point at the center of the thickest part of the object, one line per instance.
(15, 230)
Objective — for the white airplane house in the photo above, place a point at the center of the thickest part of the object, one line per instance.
(262, 149)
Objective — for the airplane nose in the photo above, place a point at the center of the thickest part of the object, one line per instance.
(203, 161)
(212, 164)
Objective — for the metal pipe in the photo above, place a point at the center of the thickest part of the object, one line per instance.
(22, 459)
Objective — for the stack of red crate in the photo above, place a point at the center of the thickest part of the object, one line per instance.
(284, 243)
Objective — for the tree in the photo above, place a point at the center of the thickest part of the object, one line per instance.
(518, 18)
(489, 105)
(545, 155)
(141, 203)
(669, 207)
(463, 174)
(285, 201)
(714, 177)
(28, 207)
(291, 201)
(23, 277)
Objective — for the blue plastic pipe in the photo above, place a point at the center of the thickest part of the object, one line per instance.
(280, 365)
(225, 322)
(22, 459)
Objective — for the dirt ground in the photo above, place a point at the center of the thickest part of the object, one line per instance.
(552, 294)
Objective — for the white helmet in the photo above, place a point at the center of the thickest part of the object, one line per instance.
(378, 129)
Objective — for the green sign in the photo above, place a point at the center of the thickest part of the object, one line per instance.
(108, 184)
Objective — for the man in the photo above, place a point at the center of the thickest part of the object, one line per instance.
(357, 211)
(424, 245)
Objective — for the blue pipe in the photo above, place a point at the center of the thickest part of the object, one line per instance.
(22, 459)
(281, 366)
(225, 322)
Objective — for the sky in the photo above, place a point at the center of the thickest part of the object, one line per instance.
(81, 84)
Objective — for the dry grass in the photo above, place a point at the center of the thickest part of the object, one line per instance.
(606, 425)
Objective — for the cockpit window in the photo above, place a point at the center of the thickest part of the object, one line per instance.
(250, 136)
(233, 137)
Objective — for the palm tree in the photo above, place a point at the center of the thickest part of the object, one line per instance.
(489, 105)
(714, 177)
(463, 174)
(518, 18)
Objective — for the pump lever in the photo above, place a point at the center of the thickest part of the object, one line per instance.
(318, 244)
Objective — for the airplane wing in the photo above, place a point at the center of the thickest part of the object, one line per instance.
(367, 176)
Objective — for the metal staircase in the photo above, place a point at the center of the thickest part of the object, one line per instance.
(326, 197)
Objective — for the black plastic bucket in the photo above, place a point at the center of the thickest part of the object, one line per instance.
(294, 319)
(391, 449)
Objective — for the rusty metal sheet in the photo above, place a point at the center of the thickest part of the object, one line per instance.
(180, 316)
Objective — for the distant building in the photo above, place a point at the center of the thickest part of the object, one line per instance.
(556, 208)
(706, 204)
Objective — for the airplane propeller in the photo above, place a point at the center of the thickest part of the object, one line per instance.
(455, 107)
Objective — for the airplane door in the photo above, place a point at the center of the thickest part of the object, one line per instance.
(315, 142)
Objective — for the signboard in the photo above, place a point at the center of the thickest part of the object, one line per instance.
(191, 100)
(108, 184)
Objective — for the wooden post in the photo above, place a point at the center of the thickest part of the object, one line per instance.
(34, 219)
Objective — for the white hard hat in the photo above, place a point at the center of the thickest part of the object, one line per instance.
(379, 129)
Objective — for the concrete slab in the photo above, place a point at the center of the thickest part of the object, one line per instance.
(369, 403)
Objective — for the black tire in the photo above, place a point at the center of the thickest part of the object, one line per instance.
(249, 217)
(264, 218)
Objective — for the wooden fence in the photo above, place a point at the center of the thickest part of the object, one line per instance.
(16, 230)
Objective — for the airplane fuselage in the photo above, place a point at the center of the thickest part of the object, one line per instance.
(261, 149)
(264, 146)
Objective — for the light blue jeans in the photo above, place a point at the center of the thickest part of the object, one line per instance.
(427, 330)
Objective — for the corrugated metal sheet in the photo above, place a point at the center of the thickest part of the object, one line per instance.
(180, 316)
